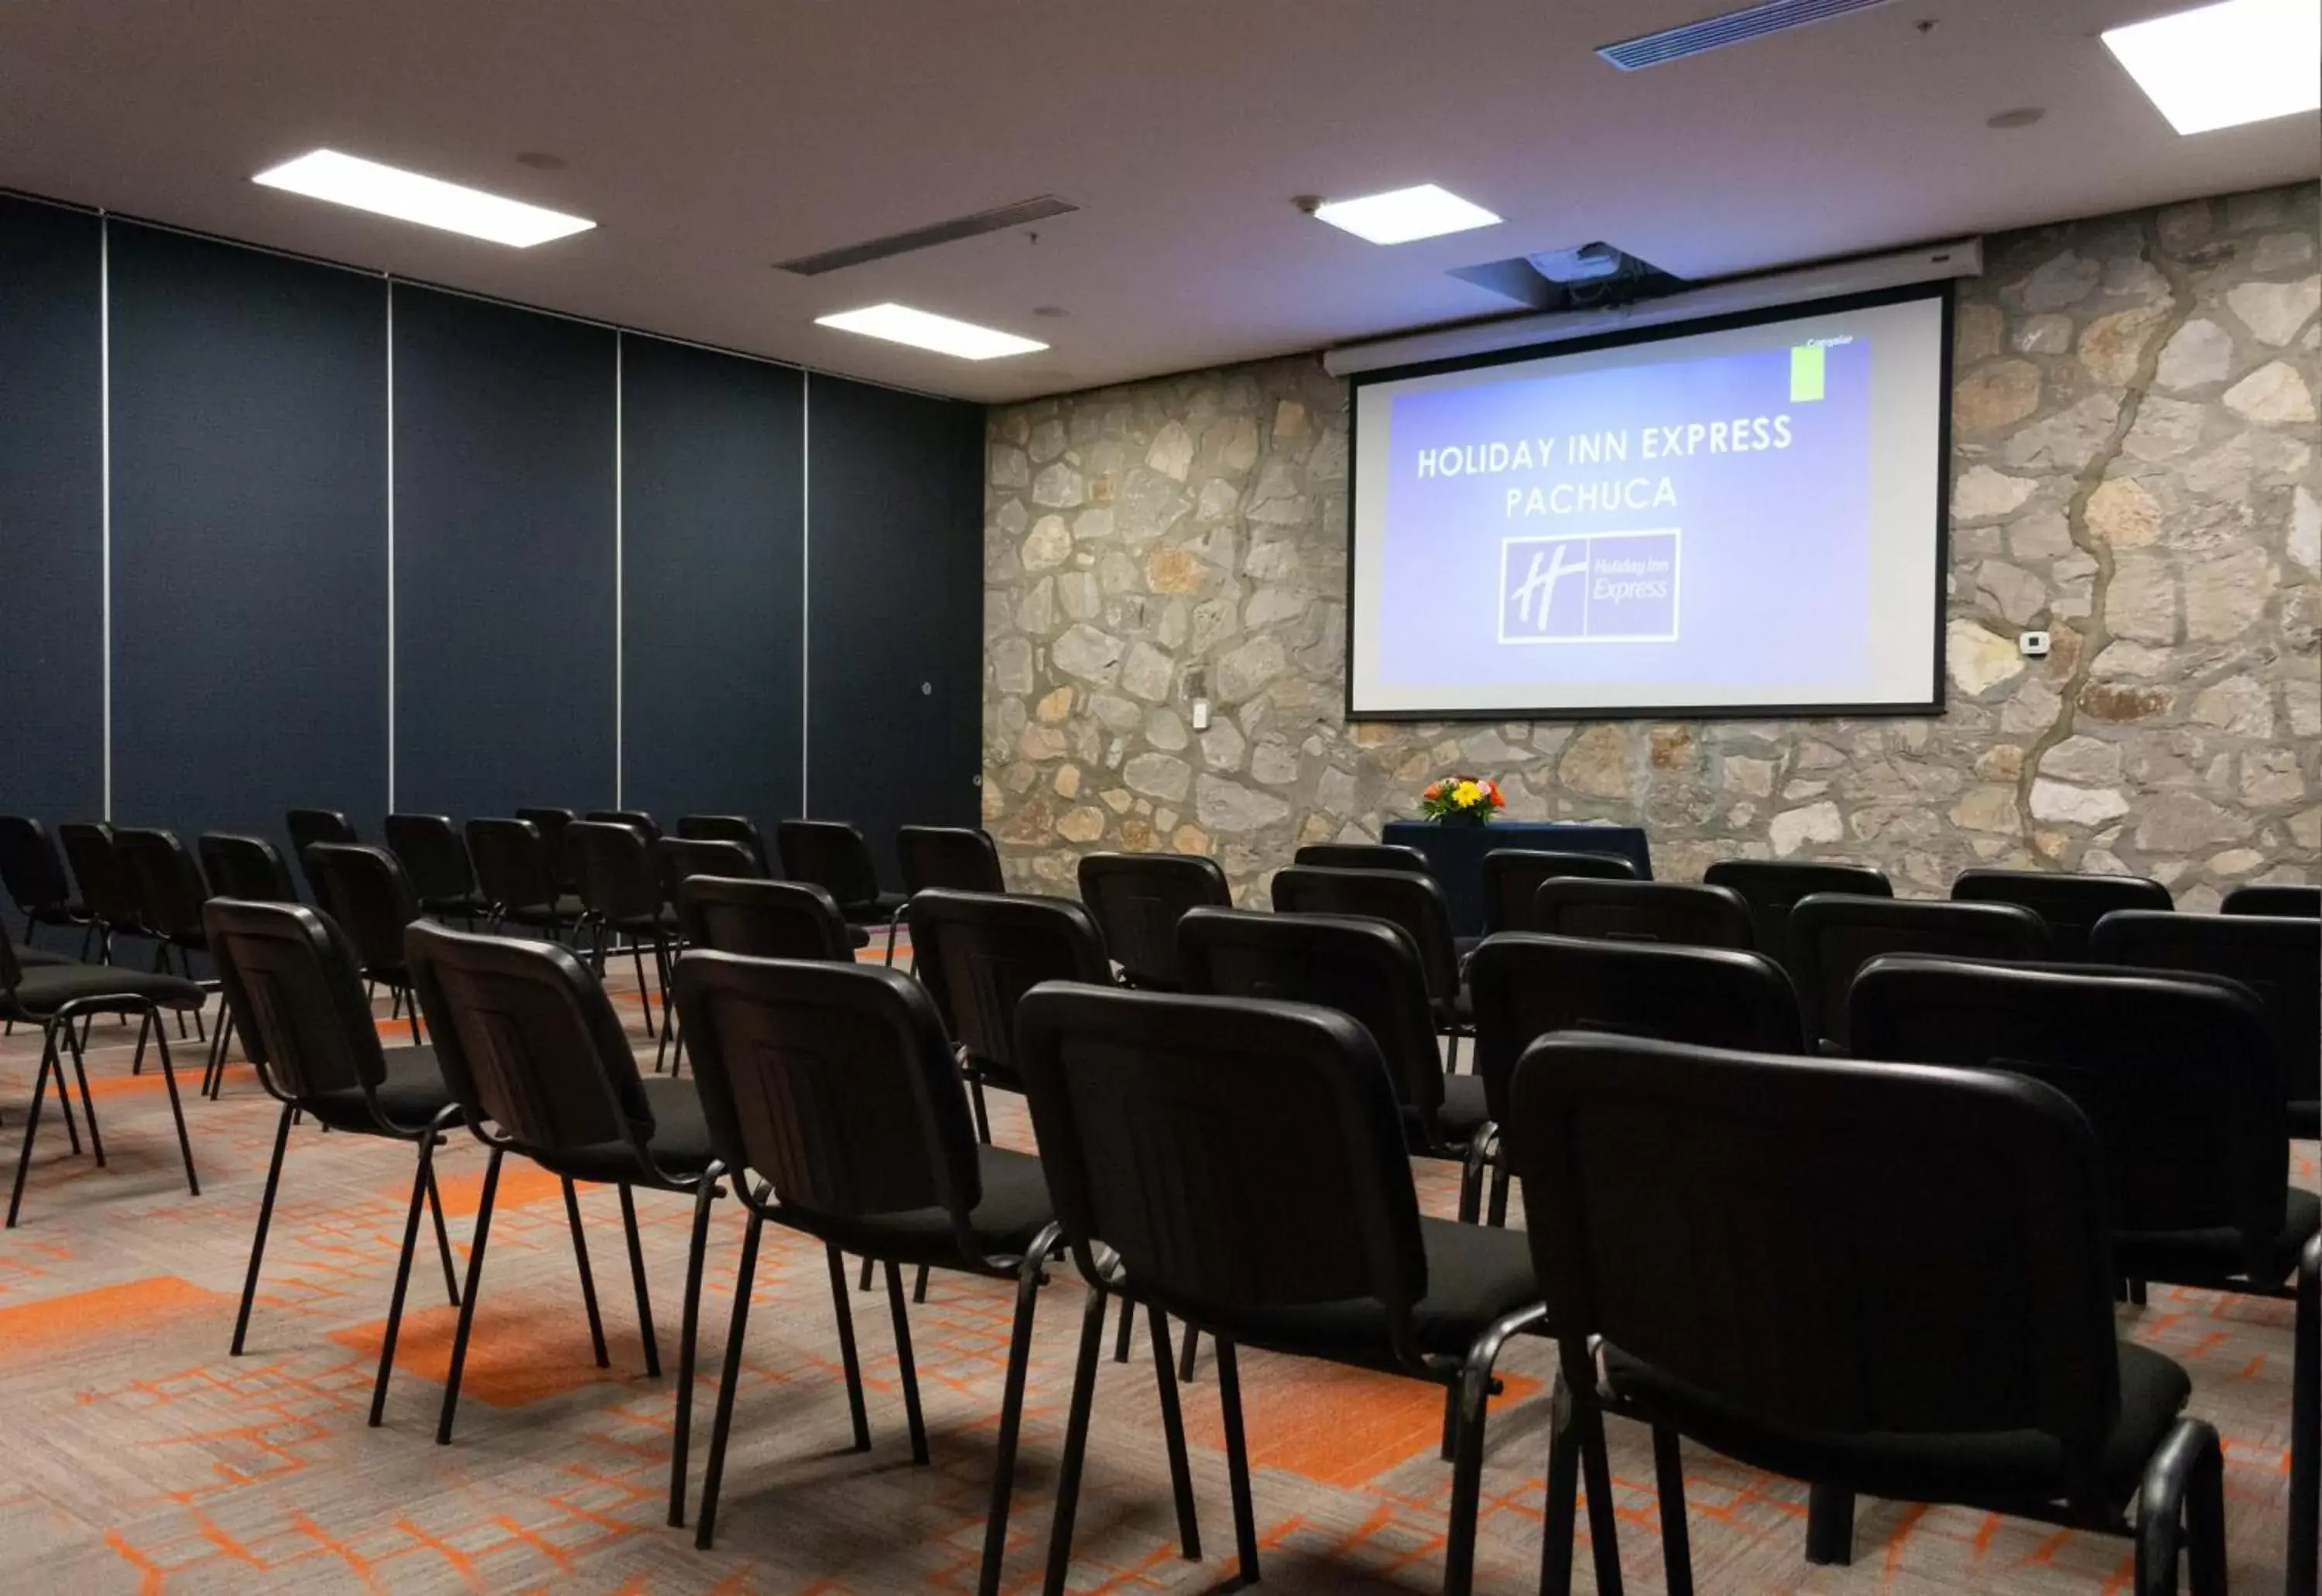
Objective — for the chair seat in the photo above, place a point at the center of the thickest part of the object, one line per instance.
(1474, 1273)
(462, 904)
(663, 923)
(410, 1097)
(2306, 1119)
(876, 911)
(28, 958)
(1464, 1110)
(567, 906)
(1459, 1013)
(47, 987)
(681, 1143)
(1015, 1209)
(1978, 1467)
(2205, 1257)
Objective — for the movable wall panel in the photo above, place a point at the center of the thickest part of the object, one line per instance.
(894, 683)
(52, 515)
(712, 522)
(249, 427)
(504, 532)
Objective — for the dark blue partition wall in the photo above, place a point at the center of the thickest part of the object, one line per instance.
(51, 514)
(712, 522)
(249, 535)
(894, 685)
(504, 541)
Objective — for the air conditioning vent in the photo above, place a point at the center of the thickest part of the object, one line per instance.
(1735, 27)
(925, 238)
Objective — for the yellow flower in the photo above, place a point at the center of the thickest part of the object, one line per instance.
(1467, 794)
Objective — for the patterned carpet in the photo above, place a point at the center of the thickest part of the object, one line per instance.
(141, 1458)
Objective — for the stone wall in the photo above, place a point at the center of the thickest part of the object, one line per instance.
(2133, 469)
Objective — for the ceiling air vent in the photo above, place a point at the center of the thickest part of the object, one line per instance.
(925, 238)
(1735, 27)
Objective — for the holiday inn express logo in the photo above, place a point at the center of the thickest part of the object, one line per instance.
(1590, 587)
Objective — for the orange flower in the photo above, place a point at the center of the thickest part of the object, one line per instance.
(1434, 789)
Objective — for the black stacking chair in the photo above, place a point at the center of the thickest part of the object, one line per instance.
(637, 820)
(308, 826)
(1938, 1236)
(55, 997)
(293, 990)
(1526, 986)
(621, 893)
(729, 828)
(834, 856)
(1240, 1166)
(540, 1067)
(1360, 856)
(435, 858)
(107, 890)
(1773, 887)
(2284, 900)
(957, 858)
(1678, 912)
(516, 875)
(2278, 957)
(1512, 879)
(1402, 897)
(33, 871)
(2071, 904)
(251, 868)
(979, 952)
(1833, 935)
(683, 857)
(364, 890)
(1137, 901)
(836, 1109)
(551, 824)
(760, 919)
(170, 893)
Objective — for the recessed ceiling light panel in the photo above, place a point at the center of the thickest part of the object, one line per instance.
(2219, 66)
(1405, 215)
(389, 191)
(922, 329)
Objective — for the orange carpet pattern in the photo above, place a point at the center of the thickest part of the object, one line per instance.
(143, 1458)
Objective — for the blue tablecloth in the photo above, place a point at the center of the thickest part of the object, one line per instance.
(1456, 854)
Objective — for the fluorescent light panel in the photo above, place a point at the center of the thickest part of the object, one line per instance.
(389, 191)
(922, 329)
(2219, 66)
(1406, 215)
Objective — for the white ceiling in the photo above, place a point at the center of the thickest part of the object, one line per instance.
(710, 138)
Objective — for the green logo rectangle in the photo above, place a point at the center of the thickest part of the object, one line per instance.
(1806, 372)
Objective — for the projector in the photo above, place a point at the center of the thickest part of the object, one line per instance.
(1593, 276)
(1582, 263)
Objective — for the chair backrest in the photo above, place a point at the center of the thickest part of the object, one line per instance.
(513, 867)
(833, 856)
(434, 857)
(248, 868)
(729, 828)
(2071, 904)
(1366, 968)
(680, 857)
(364, 890)
(293, 986)
(31, 868)
(1692, 915)
(1138, 899)
(613, 865)
(980, 952)
(962, 858)
(1404, 898)
(308, 826)
(1361, 856)
(550, 822)
(1866, 1248)
(1833, 935)
(2280, 899)
(528, 1041)
(106, 889)
(2176, 1073)
(168, 882)
(2277, 956)
(637, 820)
(1237, 1154)
(1773, 887)
(760, 919)
(1525, 985)
(834, 1082)
(1512, 879)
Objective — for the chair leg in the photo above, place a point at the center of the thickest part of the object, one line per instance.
(2182, 1502)
(33, 1114)
(2305, 1545)
(75, 1044)
(1029, 1278)
(442, 1234)
(864, 1283)
(644, 992)
(1669, 1481)
(65, 1110)
(1474, 1392)
(911, 1375)
(1829, 1526)
(1499, 1214)
(975, 1100)
(891, 928)
(689, 1336)
(1172, 1430)
(1238, 1463)
(258, 1242)
(423, 1183)
(467, 1299)
(1185, 1355)
(668, 1015)
(706, 1531)
(177, 1108)
(1121, 1337)
(645, 1332)
(1561, 1508)
(411, 1013)
(850, 1359)
(1076, 1424)
(1578, 1371)
(588, 1277)
(920, 1285)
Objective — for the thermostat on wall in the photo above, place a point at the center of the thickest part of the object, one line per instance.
(2033, 645)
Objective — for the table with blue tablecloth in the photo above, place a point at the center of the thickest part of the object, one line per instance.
(1456, 854)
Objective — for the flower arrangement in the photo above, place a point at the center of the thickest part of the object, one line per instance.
(1461, 800)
